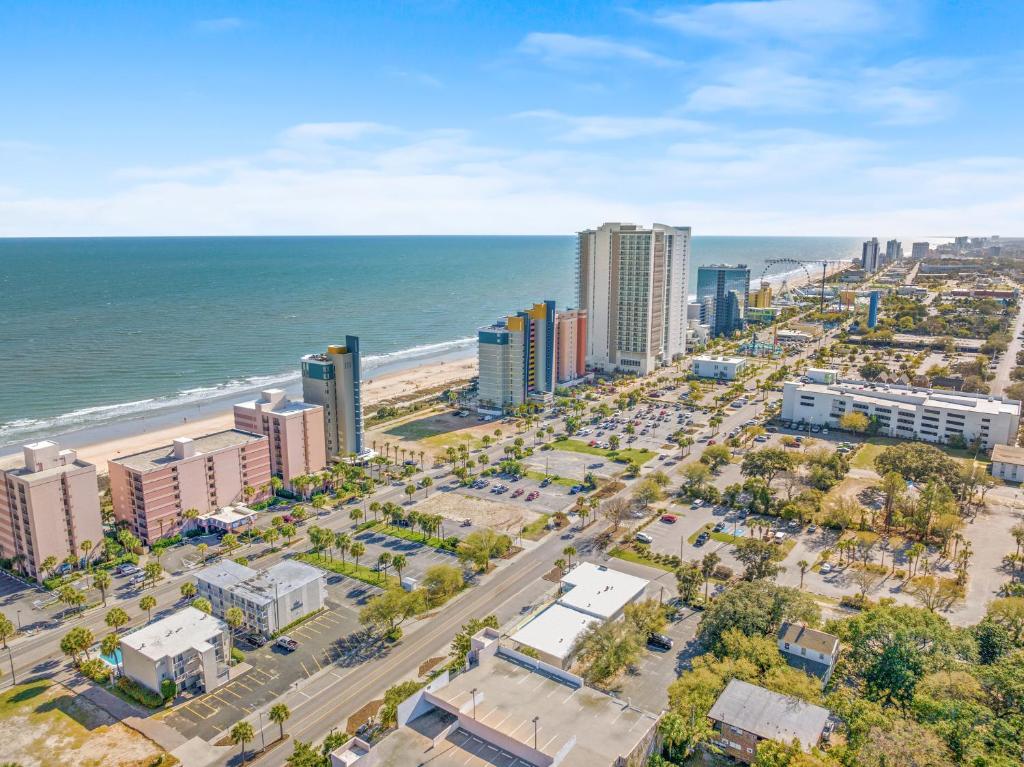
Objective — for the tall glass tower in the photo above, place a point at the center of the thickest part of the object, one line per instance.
(727, 289)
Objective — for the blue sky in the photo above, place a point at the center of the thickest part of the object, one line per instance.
(851, 117)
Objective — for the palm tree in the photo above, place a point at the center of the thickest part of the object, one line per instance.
(241, 734)
(357, 550)
(279, 714)
(190, 516)
(804, 565)
(426, 484)
(102, 580)
(234, 617)
(343, 543)
(398, 561)
(569, 552)
(116, 618)
(108, 646)
(147, 603)
(188, 590)
(375, 509)
(383, 562)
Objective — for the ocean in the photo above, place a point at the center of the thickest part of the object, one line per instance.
(102, 330)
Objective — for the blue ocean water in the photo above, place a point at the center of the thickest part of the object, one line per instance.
(98, 329)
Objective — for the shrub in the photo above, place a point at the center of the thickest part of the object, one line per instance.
(392, 697)
(237, 655)
(138, 693)
(96, 670)
(168, 688)
(722, 573)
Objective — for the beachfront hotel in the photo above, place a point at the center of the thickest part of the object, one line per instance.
(725, 290)
(332, 381)
(151, 490)
(49, 505)
(908, 412)
(295, 431)
(632, 282)
(527, 354)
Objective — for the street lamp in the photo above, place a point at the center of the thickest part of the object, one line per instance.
(10, 657)
(535, 720)
(473, 693)
(263, 738)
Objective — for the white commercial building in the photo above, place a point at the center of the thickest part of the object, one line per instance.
(1008, 463)
(633, 284)
(270, 599)
(930, 415)
(718, 366)
(189, 647)
(589, 594)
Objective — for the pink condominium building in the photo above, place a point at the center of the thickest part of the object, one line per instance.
(295, 431)
(49, 504)
(152, 489)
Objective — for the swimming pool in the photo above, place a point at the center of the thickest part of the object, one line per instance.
(113, 660)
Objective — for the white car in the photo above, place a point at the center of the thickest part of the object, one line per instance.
(825, 568)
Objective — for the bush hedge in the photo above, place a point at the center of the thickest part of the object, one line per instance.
(138, 693)
(96, 670)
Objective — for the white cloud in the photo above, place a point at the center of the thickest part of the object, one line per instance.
(222, 24)
(725, 181)
(334, 131)
(761, 88)
(585, 128)
(794, 20)
(553, 47)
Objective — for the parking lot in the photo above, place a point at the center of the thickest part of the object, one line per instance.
(646, 685)
(332, 638)
(548, 500)
(419, 557)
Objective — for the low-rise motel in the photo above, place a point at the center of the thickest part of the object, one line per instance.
(526, 355)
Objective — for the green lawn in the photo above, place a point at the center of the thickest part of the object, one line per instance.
(453, 439)
(631, 556)
(407, 534)
(537, 529)
(417, 429)
(349, 568)
(538, 476)
(624, 455)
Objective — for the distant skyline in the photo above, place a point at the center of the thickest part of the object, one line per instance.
(775, 117)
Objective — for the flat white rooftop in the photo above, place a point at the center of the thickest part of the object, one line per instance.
(719, 358)
(259, 586)
(913, 397)
(187, 629)
(230, 515)
(554, 631)
(598, 590)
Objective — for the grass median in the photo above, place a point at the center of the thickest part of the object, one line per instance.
(349, 569)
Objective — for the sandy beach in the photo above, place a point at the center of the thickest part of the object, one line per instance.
(377, 389)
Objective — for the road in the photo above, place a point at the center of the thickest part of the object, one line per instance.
(329, 699)
(1009, 359)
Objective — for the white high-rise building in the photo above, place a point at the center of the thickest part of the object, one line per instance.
(869, 255)
(893, 251)
(633, 284)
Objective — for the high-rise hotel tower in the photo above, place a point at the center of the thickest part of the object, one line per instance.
(632, 282)
(331, 380)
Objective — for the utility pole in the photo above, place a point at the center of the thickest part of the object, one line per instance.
(824, 270)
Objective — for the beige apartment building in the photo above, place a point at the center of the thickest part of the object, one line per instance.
(152, 489)
(49, 505)
(295, 431)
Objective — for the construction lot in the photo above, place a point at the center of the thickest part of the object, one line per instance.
(483, 508)
(42, 724)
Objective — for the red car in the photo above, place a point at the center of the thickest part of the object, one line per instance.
(711, 442)
(533, 496)
(517, 493)
(669, 518)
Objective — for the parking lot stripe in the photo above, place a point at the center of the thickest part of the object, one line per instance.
(231, 692)
(306, 670)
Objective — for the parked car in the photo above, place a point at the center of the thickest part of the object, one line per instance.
(719, 527)
(517, 492)
(287, 644)
(669, 518)
(702, 538)
(127, 569)
(533, 496)
(660, 641)
(825, 568)
(644, 538)
(812, 528)
(256, 640)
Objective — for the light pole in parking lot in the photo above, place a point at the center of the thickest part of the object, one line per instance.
(473, 693)
(263, 738)
(535, 720)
